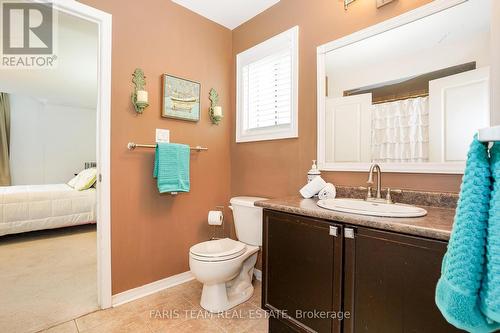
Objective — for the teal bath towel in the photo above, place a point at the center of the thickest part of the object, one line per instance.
(458, 289)
(172, 167)
(490, 290)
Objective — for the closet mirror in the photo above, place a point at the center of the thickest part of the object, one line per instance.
(403, 93)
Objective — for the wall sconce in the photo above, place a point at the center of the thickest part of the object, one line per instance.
(215, 111)
(347, 3)
(140, 95)
(381, 3)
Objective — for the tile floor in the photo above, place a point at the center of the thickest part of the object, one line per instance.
(173, 310)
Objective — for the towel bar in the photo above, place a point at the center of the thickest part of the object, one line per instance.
(489, 134)
(133, 145)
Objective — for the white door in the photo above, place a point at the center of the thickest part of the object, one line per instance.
(348, 129)
(459, 105)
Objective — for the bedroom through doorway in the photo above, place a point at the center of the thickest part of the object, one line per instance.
(48, 184)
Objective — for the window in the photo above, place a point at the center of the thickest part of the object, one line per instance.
(267, 89)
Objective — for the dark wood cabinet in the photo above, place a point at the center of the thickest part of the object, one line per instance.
(303, 271)
(389, 283)
(383, 282)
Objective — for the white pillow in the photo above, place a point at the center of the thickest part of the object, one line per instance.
(73, 181)
(84, 180)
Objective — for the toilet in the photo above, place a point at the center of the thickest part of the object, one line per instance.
(225, 266)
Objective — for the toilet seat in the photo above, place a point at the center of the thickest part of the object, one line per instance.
(217, 250)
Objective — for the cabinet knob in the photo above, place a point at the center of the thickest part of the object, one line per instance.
(334, 231)
(348, 233)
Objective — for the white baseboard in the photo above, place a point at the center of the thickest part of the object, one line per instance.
(151, 288)
(258, 274)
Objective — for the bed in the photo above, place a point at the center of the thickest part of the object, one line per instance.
(36, 207)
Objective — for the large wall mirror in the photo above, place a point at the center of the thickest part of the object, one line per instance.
(408, 93)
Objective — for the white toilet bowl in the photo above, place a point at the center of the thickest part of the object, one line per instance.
(226, 275)
(225, 266)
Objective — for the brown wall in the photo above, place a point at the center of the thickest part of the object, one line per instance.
(152, 233)
(276, 168)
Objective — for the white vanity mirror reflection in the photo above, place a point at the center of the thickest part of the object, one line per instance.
(403, 93)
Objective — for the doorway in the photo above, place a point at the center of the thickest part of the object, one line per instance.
(79, 232)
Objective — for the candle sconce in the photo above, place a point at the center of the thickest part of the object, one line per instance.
(140, 95)
(215, 111)
(347, 3)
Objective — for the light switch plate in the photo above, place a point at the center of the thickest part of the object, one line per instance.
(162, 135)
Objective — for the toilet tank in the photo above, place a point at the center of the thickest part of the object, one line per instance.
(247, 220)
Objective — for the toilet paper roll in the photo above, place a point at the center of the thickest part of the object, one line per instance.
(328, 192)
(215, 217)
(313, 187)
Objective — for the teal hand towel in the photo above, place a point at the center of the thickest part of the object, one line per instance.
(457, 291)
(490, 290)
(171, 167)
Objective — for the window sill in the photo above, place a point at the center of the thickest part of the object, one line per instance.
(265, 137)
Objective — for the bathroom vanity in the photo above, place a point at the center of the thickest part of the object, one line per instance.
(399, 96)
(378, 273)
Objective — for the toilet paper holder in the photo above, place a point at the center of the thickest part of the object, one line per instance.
(215, 228)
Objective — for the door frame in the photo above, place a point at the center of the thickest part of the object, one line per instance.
(103, 142)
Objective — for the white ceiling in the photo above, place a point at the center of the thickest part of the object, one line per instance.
(229, 13)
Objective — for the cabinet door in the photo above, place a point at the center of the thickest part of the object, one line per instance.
(302, 265)
(390, 280)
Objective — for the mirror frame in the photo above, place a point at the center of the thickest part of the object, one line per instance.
(322, 50)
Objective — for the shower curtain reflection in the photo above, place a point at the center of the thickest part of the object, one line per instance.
(400, 131)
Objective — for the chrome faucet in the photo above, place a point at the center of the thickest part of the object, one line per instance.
(370, 182)
(374, 167)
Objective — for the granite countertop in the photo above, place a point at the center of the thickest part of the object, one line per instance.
(436, 224)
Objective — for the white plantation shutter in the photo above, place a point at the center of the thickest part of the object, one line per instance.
(267, 89)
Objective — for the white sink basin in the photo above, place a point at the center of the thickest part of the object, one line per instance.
(362, 207)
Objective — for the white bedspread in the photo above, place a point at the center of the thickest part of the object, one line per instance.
(36, 207)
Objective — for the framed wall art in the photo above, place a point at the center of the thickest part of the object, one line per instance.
(181, 98)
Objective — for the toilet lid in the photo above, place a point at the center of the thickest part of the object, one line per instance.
(221, 248)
